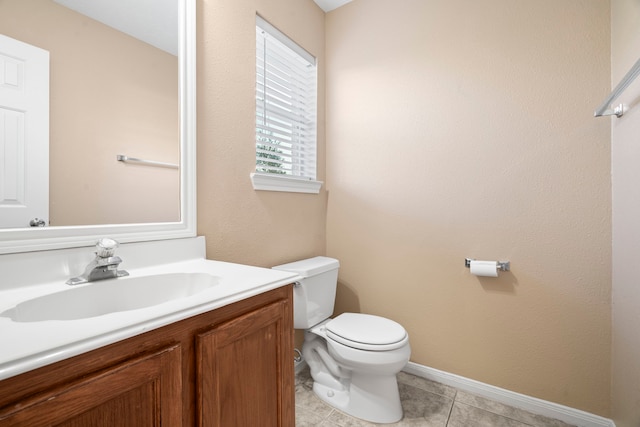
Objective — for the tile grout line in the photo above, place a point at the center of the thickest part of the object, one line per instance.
(456, 397)
(497, 414)
(453, 402)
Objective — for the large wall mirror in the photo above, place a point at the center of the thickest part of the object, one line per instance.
(97, 122)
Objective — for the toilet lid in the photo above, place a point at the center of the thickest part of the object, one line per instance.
(366, 332)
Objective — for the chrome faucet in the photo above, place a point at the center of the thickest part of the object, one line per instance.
(104, 265)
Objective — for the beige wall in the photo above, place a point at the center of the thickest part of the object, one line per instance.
(243, 225)
(109, 94)
(625, 149)
(465, 129)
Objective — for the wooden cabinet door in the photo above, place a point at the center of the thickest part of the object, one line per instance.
(141, 392)
(245, 371)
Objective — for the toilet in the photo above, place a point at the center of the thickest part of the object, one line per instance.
(353, 358)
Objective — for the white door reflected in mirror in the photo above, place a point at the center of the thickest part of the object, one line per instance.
(24, 133)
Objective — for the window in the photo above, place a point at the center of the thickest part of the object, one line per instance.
(286, 97)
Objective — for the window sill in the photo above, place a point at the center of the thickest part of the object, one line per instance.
(268, 182)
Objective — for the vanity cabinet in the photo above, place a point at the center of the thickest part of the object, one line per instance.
(137, 392)
(240, 379)
(229, 367)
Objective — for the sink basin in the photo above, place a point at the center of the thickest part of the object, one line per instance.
(110, 296)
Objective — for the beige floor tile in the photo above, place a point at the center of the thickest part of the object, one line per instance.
(426, 385)
(508, 411)
(469, 416)
(307, 418)
(343, 420)
(424, 408)
(328, 423)
(425, 404)
(307, 401)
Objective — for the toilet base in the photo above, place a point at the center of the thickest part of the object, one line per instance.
(371, 398)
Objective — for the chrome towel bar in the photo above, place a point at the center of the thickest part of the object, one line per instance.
(128, 159)
(605, 108)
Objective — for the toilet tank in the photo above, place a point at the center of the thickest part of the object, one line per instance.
(314, 297)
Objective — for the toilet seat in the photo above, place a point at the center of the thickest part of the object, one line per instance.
(366, 332)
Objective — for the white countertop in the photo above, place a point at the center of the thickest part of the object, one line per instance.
(28, 345)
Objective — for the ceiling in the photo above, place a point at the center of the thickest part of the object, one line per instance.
(152, 21)
(329, 5)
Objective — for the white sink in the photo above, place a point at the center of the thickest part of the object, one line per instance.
(110, 296)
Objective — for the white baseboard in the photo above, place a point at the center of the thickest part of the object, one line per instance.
(531, 404)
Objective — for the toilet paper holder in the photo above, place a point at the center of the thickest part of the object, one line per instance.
(501, 265)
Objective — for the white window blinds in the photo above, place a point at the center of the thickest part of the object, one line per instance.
(285, 105)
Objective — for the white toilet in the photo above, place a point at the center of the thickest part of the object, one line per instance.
(353, 358)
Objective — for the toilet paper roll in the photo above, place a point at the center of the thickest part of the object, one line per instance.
(484, 268)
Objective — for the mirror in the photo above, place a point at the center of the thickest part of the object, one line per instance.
(92, 194)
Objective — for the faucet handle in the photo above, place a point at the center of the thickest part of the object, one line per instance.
(106, 247)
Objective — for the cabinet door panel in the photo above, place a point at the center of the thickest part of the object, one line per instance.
(240, 370)
(137, 406)
(143, 392)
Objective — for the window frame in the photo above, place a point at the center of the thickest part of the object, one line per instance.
(286, 182)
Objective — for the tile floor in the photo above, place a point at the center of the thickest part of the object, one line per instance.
(425, 403)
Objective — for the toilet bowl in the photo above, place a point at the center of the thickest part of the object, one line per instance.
(353, 358)
(359, 381)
